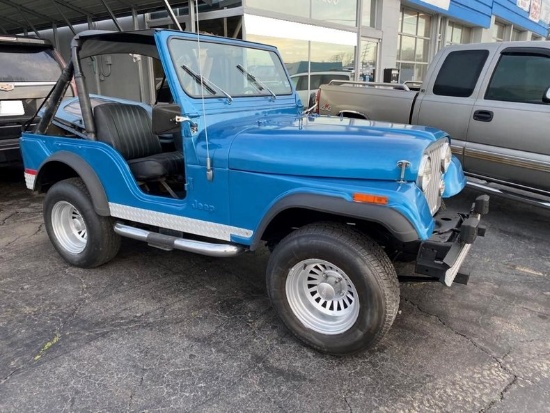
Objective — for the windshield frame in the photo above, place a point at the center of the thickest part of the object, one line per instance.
(221, 84)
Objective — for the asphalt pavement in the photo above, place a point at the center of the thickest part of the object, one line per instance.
(157, 331)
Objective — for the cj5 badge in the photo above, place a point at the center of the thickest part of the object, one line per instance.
(7, 87)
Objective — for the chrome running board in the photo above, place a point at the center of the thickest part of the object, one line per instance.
(168, 242)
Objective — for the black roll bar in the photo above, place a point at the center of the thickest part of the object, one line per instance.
(55, 97)
(82, 91)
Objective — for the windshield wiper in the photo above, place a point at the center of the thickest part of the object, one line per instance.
(206, 83)
(257, 84)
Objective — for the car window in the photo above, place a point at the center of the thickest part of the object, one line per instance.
(327, 78)
(28, 64)
(315, 81)
(459, 73)
(520, 77)
(302, 83)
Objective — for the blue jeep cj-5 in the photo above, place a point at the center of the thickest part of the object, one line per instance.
(227, 160)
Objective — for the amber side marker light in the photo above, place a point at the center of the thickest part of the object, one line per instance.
(370, 199)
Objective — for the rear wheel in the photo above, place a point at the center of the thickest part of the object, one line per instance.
(333, 287)
(79, 235)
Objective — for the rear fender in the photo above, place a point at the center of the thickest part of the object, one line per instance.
(83, 170)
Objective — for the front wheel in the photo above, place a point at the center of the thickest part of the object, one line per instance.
(81, 236)
(333, 287)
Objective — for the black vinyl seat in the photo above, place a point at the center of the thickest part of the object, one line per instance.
(127, 128)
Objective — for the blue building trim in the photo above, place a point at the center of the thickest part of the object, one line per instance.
(478, 13)
(509, 11)
(474, 13)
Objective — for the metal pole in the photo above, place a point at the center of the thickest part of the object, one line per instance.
(115, 21)
(29, 23)
(358, 64)
(140, 63)
(64, 17)
(193, 25)
(172, 15)
(55, 36)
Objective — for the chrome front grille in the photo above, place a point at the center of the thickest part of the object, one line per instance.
(435, 152)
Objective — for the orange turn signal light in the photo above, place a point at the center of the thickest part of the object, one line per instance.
(370, 199)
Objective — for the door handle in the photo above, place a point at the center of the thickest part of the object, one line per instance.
(483, 115)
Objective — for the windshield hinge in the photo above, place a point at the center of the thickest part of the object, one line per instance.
(182, 119)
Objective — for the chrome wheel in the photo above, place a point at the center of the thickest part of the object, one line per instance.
(322, 296)
(69, 227)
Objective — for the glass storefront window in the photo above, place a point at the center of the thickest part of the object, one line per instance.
(323, 56)
(424, 25)
(413, 44)
(407, 48)
(516, 35)
(334, 11)
(294, 52)
(455, 33)
(422, 49)
(299, 8)
(498, 32)
(368, 13)
(339, 56)
(203, 7)
(368, 57)
(409, 22)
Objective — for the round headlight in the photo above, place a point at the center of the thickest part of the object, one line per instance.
(424, 172)
(446, 156)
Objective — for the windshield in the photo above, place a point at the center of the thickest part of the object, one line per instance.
(28, 64)
(228, 70)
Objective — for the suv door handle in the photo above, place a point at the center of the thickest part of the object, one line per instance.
(483, 115)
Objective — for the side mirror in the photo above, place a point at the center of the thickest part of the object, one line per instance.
(164, 119)
(546, 96)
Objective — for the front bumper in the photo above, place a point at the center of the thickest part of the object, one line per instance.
(442, 255)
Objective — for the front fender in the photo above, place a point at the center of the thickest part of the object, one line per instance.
(454, 178)
(392, 220)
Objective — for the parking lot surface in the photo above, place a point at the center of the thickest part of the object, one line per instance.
(157, 331)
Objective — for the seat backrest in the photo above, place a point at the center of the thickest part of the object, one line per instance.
(127, 128)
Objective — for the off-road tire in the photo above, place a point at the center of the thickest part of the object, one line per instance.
(81, 236)
(361, 260)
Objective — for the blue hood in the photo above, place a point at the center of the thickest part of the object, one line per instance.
(330, 147)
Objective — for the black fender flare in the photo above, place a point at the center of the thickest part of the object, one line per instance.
(399, 226)
(87, 174)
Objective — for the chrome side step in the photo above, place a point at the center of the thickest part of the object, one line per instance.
(168, 242)
(510, 193)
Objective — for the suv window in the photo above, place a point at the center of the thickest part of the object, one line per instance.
(520, 77)
(317, 80)
(459, 73)
(28, 64)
